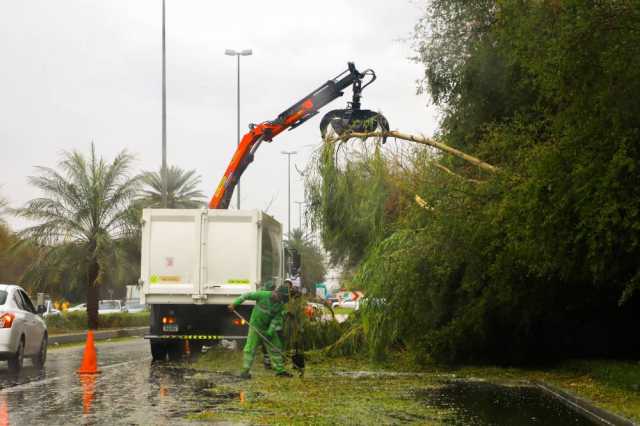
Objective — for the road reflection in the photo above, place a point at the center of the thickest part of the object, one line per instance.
(129, 390)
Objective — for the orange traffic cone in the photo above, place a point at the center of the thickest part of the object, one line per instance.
(4, 411)
(89, 359)
(88, 390)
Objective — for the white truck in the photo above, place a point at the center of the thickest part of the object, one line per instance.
(195, 262)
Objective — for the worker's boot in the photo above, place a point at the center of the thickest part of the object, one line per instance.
(266, 361)
(283, 374)
(245, 374)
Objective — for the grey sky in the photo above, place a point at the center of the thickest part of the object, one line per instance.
(73, 71)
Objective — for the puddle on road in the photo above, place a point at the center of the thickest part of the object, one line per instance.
(137, 392)
(483, 403)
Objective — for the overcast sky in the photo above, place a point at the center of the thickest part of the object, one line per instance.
(76, 71)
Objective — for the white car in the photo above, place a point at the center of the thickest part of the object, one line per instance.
(23, 333)
(353, 304)
(80, 307)
(134, 306)
(110, 307)
(49, 310)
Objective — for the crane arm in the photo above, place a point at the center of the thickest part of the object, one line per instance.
(291, 118)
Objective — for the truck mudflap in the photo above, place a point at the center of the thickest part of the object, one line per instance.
(191, 337)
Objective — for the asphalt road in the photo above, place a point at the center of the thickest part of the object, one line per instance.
(129, 389)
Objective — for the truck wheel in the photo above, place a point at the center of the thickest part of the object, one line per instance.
(175, 351)
(158, 351)
(196, 348)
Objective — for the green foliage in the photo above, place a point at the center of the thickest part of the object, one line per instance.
(539, 261)
(305, 333)
(182, 189)
(70, 322)
(348, 203)
(14, 261)
(83, 224)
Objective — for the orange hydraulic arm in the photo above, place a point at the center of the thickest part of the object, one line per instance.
(289, 119)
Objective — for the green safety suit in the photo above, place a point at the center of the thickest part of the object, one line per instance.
(268, 318)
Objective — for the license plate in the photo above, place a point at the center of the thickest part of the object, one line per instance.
(170, 327)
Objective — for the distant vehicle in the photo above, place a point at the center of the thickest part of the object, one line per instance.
(80, 307)
(23, 333)
(353, 304)
(135, 306)
(49, 310)
(110, 307)
(314, 310)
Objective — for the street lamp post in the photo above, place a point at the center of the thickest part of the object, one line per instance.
(300, 204)
(164, 114)
(289, 154)
(237, 54)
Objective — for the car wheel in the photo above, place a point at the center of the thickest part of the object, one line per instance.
(41, 358)
(158, 351)
(15, 363)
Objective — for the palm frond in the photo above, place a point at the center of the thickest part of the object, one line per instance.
(182, 188)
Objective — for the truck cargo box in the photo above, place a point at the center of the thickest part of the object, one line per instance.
(201, 256)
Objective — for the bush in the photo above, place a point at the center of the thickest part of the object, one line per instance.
(69, 322)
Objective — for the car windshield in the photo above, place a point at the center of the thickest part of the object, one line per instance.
(3, 297)
(108, 305)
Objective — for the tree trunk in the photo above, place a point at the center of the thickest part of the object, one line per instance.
(92, 296)
(424, 141)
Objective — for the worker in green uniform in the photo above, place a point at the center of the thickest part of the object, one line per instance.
(267, 319)
(266, 361)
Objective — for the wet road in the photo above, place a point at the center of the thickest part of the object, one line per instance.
(129, 390)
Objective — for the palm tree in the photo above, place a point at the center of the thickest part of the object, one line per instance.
(182, 192)
(83, 218)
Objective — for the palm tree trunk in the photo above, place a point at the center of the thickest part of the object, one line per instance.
(92, 296)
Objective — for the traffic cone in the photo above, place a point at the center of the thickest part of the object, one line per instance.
(88, 391)
(89, 358)
(4, 411)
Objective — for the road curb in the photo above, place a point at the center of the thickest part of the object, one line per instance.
(600, 416)
(98, 335)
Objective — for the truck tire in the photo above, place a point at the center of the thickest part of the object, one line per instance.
(196, 348)
(158, 351)
(175, 350)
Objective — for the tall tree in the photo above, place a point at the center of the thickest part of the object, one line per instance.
(83, 217)
(182, 189)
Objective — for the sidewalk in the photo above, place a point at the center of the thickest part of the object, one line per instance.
(58, 339)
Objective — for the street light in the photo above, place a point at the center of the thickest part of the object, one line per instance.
(300, 204)
(289, 154)
(237, 54)
(164, 114)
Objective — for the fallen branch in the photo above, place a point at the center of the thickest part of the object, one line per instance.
(422, 203)
(424, 141)
(447, 170)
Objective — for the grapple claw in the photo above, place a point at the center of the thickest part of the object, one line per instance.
(342, 121)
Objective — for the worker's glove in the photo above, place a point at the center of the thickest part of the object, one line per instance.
(232, 307)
